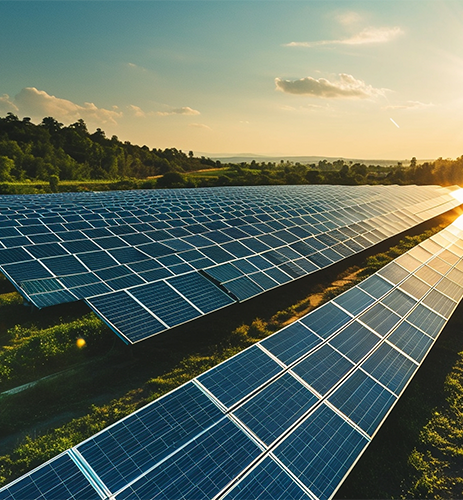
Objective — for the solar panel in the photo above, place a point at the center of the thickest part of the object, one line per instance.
(243, 240)
(286, 418)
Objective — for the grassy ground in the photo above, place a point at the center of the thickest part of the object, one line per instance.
(106, 380)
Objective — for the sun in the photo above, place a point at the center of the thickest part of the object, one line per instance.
(80, 343)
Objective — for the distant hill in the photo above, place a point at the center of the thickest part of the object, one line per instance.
(248, 157)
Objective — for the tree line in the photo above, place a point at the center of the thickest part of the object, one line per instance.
(37, 152)
(50, 151)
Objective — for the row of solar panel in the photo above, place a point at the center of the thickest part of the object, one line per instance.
(35, 224)
(253, 262)
(286, 418)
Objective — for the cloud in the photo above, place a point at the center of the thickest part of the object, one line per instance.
(305, 108)
(31, 101)
(137, 111)
(200, 125)
(6, 105)
(347, 87)
(410, 105)
(366, 36)
(348, 18)
(140, 113)
(179, 111)
(136, 66)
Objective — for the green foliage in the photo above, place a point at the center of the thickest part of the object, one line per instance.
(34, 352)
(54, 181)
(437, 470)
(32, 452)
(39, 152)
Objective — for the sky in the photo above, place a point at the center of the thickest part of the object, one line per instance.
(354, 79)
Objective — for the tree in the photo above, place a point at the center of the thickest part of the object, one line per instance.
(6, 165)
(171, 180)
(54, 181)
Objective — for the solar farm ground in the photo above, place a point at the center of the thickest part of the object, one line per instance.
(105, 380)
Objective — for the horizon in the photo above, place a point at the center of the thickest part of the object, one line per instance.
(338, 79)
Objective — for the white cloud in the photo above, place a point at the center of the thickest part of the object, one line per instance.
(179, 111)
(347, 87)
(200, 125)
(348, 18)
(137, 111)
(6, 105)
(31, 101)
(140, 113)
(307, 107)
(136, 66)
(366, 36)
(410, 105)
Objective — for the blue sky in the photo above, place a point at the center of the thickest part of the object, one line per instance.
(368, 79)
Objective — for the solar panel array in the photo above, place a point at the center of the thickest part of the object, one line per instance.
(286, 418)
(146, 261)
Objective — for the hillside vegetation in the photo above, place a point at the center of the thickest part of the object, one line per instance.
(51, 157)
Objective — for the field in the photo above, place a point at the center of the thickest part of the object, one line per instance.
(64, 375)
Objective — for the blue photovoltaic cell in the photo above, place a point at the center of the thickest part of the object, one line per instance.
(246, 267)
(41, 285)
(278, 275)
(59, 479)
(243, 288)
(426, 320)
(321, 451)
(110, 242)
(380, 319)
(126, 315)
(274, 409)
(355, 341)
(399, 302)
(291, 343)
(79, 279)
(390, 368)
(47, 250)
(128, 255)
(53, 298)
(217, 254)
(267, 481)
(354, 300)
(232, 380)
(201, 470)
(323, 369)
(411, 341)
(155, 249)
(12, 255)
(124, 282)
(263, 280)
(224, 272)
(97, 260)
(85, 291)
(165, 302)
(111, 273)
(64, 265)
(120, 453)
(375, 286)
(363, 400)
(201, 292)
(326, 319)
(80, 246)
(29, 270)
